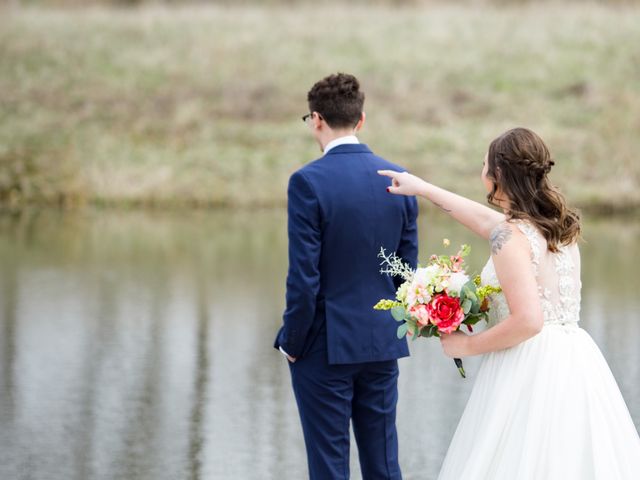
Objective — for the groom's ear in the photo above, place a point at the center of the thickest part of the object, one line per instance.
(360, 124)
(317, 120)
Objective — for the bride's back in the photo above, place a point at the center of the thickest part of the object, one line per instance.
(558, 277)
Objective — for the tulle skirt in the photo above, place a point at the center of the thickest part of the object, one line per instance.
(547, 409)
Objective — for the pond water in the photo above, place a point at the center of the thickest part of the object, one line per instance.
(138, 345)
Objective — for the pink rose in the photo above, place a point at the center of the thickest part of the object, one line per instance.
(421, 314)
(446, 313)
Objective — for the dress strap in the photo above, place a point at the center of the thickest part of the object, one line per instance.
(533, 236)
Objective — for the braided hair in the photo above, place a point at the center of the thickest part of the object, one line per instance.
(518, 166)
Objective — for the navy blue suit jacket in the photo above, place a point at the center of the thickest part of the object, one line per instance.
(340, 214)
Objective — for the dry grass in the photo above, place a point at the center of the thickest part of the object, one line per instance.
(201, 105)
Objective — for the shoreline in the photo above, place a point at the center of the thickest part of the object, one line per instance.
(595, 210)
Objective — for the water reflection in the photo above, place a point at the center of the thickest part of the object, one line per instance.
(138, 346)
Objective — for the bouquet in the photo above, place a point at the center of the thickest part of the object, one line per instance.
(436, 299)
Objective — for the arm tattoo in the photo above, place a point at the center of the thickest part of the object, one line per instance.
(499, 237)
(441, 207)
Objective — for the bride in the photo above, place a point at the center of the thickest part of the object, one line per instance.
(545, 405)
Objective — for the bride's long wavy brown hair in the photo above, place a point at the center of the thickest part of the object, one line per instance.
(518, 166)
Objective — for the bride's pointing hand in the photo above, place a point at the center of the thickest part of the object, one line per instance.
(403, 183)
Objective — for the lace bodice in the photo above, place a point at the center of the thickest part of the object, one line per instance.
(558, 277)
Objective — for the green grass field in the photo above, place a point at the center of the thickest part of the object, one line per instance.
(201, 105)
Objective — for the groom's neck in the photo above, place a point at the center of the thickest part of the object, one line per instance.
(331, 135)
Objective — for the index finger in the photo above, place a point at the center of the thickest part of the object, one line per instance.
(388, 173)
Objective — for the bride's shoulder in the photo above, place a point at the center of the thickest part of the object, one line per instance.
(510, 234)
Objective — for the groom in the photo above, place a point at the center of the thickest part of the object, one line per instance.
(343, 354)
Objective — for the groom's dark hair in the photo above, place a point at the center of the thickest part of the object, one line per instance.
(338, 99)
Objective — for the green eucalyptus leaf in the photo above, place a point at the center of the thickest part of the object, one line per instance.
(464, 294)
(399, 313)
(466, 306)
(416, 333)
(402, 330)
(475, 308)
(470, 293)
(470, 286)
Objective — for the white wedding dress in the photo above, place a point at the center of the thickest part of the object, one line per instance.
(548, 408)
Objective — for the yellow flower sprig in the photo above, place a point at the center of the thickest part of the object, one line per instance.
(386, 305)
(486, 290)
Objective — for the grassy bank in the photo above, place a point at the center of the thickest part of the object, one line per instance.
(201, 106)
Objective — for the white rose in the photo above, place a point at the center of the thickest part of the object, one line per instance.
(457, 280)
(426, 276)
(401, 294)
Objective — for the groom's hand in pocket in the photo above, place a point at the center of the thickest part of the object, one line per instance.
(289, 357)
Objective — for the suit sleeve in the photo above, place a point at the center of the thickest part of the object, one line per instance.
(408, 247)
(303, 279)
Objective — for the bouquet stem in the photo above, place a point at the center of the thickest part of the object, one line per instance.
(458, 362)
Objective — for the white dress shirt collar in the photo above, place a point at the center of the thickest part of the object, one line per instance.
(349, 139)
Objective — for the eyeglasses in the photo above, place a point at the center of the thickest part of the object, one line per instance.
(309, 116)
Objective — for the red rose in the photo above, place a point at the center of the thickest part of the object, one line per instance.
(445, 312)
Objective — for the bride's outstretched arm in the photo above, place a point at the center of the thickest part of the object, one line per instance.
(477, 217)
(511, 252)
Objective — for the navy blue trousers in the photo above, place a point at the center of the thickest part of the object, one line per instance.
(329, 397)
